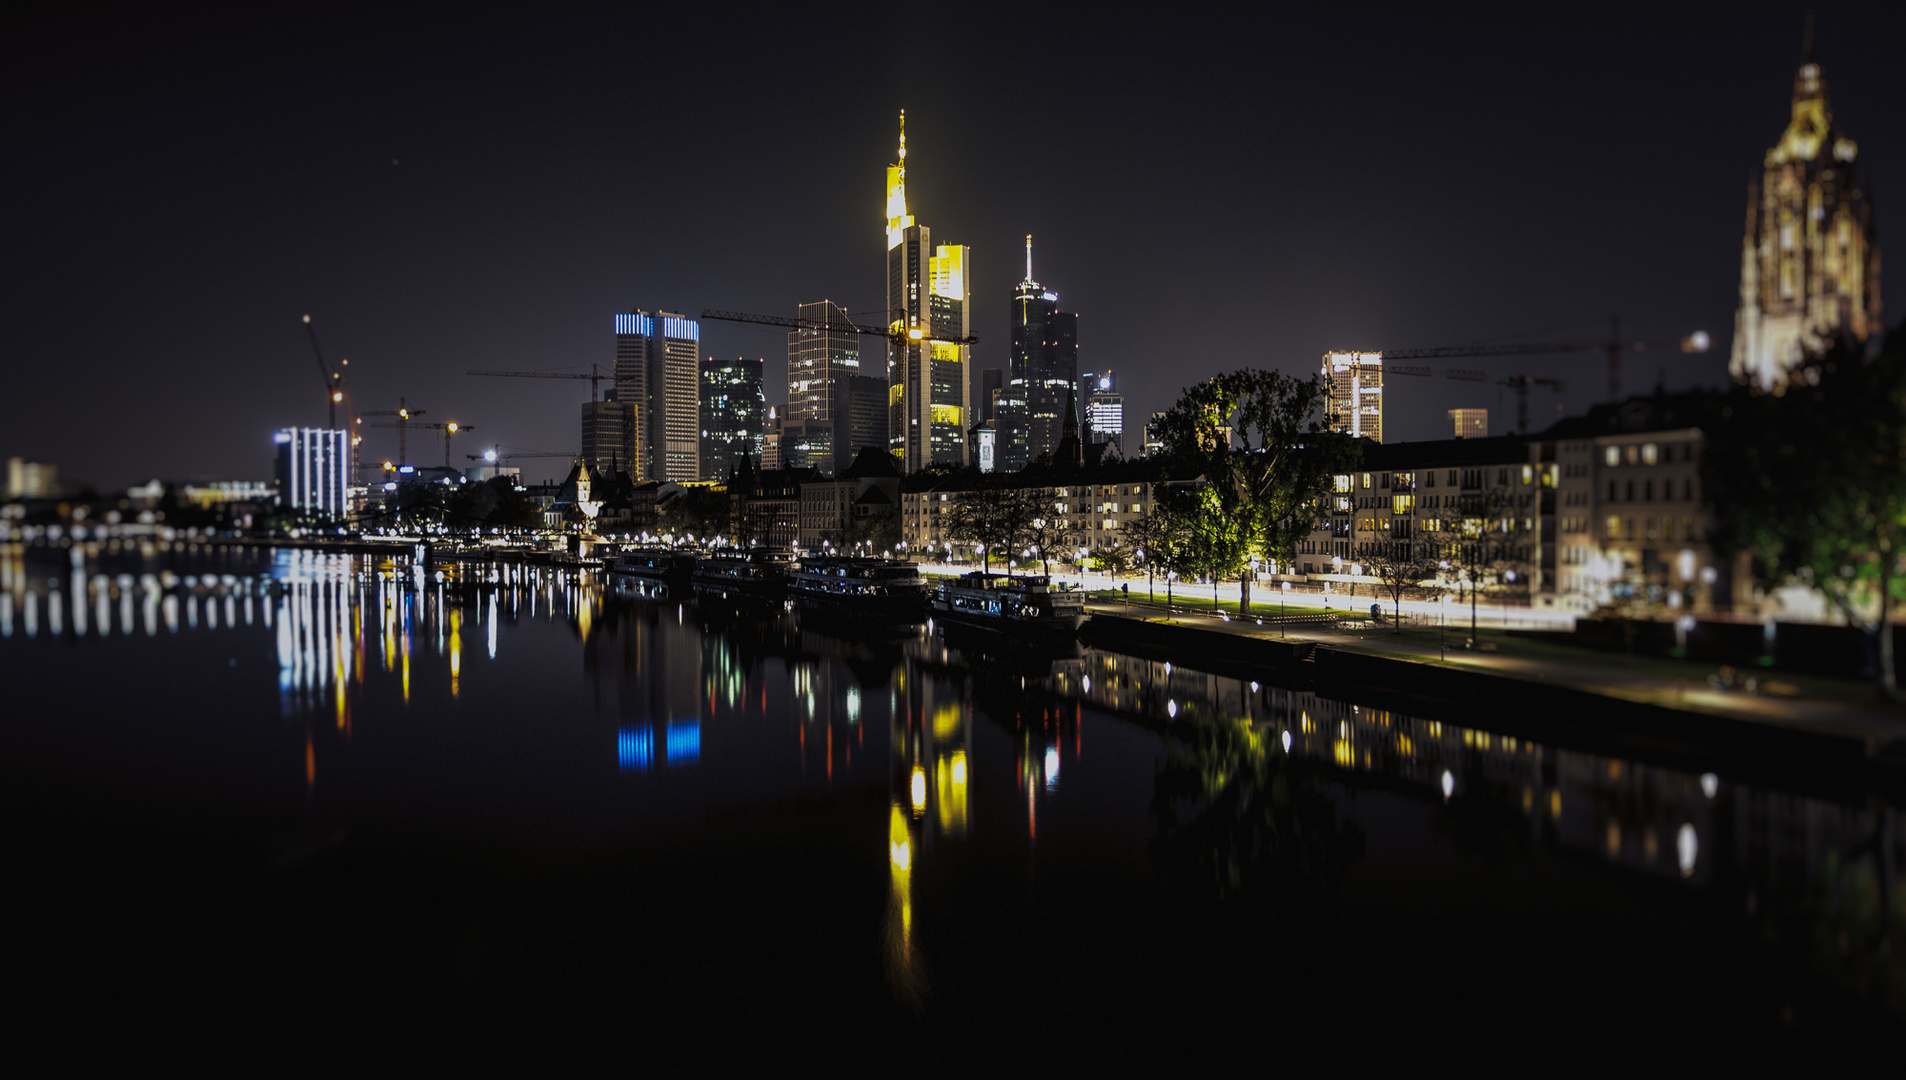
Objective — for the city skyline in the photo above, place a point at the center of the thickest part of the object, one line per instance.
(433, 262)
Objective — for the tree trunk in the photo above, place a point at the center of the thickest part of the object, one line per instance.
(1244, 597)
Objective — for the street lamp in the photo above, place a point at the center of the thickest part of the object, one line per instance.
(1284, 599)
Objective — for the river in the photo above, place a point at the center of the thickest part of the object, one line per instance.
(315, 797)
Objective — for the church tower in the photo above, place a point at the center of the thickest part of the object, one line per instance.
(1810, 260)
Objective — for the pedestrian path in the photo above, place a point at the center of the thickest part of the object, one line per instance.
(1836, 707)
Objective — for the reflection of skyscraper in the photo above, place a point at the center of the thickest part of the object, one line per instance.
(1045, 369)
(928, 392)
(658, 375)
(734, 413)
(1810, 260)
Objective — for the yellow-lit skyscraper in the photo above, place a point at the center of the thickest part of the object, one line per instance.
(928, 395)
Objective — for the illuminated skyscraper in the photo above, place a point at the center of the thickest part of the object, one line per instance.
(1470, 423)
(312, 467)
(1810, 259)
(822, 368)
(658, 373)
(928, 395)
(1045, 370)
(734, 415)
(1104, 406)
(1354, 385)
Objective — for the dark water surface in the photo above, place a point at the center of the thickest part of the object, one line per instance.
(322, 803)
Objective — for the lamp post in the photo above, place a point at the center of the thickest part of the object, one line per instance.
(1284, 595)
(1442, 614)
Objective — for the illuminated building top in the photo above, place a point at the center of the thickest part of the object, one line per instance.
(897, 217)
(1810, 264)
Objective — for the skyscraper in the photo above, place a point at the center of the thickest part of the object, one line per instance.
(1104, 406)
(928, 392)
(1810, 259)
(312, 466)
(991, 381)
(821, 364)
(1353, 383)
(734, 412)
(1470, 423)
(1044, 372)
(608, 434)
(658, 374)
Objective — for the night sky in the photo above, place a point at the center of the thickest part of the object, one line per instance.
(484, 187)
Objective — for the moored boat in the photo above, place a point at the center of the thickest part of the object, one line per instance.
(660, 563)
(761, 573)
(883, 588)
(1010, 602)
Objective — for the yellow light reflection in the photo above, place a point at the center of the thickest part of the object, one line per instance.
(949, 777)
(456, 650)
(918, 789)
(902, 966)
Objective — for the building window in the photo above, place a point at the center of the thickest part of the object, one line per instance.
(1649, 453)
(1611, 456)
(1614, 527)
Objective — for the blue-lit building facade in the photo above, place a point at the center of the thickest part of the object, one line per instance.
(658, 374)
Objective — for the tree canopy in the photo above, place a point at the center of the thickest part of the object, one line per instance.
(1258, 440)
(1811, 484)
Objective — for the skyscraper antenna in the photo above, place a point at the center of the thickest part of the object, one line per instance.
(903, 146)
(1028, 256)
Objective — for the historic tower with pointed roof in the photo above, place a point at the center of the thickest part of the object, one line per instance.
(1810, 260)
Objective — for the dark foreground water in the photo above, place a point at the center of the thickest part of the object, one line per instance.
(313, 807)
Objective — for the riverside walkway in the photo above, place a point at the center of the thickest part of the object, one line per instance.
(1835, 708)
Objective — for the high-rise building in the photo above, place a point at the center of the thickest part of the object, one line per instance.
(1353, 382)
(658, 373)
(928, 392)
(31, 479)
(861, 412)
(734, 414)
(1810, 259)
(1470, 423)
(313, 471)
(991, 381)
(821, 363)
(1103, 405)
(608, 434)
(1045, 370)
(1153, 444)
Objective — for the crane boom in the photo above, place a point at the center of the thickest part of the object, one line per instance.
(834, 326)
(594, 375)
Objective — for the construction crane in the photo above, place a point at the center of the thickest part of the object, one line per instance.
(403, 412)
(1696, 342)
(492, 455)
(336, 389)
(900, 333)
(448, 429)
(594, 376)
(1519, 383)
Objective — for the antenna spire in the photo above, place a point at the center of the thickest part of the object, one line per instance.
(1028, 256)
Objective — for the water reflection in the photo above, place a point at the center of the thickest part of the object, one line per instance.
(681, 703)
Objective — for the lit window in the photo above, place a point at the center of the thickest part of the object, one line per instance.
(1649, 453)
(1611, 456)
